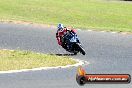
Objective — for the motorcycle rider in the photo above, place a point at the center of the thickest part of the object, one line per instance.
(61, 32)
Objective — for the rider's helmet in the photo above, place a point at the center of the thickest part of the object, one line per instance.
(60, 27)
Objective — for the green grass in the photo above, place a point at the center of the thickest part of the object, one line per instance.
(15, 60)
(95, 14)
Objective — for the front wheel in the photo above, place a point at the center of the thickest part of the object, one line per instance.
(81, 49)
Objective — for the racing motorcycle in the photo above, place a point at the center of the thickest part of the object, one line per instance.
(72, 43)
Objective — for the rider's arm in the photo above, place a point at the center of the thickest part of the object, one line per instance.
(73, 31)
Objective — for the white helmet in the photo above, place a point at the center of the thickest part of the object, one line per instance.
(60, 26)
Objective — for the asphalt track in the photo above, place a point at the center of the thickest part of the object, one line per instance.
(106, 53)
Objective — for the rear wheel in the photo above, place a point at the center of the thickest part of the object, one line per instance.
(75, 53)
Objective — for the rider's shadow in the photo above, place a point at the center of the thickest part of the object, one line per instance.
(63, 54)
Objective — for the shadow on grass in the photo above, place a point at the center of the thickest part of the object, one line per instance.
(63, 54)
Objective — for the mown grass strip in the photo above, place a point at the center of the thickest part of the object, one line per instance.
(16, 60)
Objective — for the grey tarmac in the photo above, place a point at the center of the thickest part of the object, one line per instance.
(106, 52)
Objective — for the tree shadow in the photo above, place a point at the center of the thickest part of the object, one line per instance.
(63, 54)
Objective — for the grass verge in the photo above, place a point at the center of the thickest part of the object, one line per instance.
(16, 60)
(94, 14)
